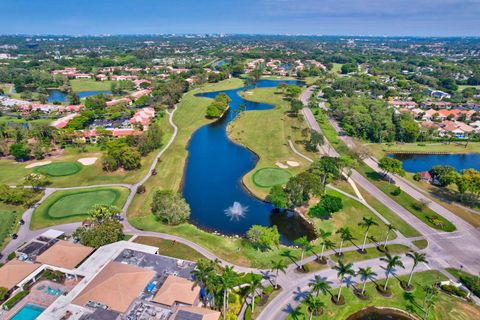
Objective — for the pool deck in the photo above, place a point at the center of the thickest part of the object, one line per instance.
(39, 297)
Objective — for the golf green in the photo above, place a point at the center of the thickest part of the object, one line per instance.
(81, 202)
(269, 177)
(59, 169)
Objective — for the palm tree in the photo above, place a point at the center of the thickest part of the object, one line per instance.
(342, 271)
(391, 228)
(202, 271)
(326, 244)
(392, 262)
(303, 243)
(417, 257)
(319, 284)
(314, 305)
(255, 283)
(345, 235)
(227, 281)
(366, 223)
(278, 266)
(366, 274)
(324, 235)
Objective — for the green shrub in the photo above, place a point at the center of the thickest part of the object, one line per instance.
(11, 255)
(268, 290)
(396, 192)
(417, 177)
(421, 144)
(454, 290)
(472, 283)
(13, 300)
(248, 313)
(306, 268)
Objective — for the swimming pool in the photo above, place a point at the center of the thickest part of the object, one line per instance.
(28, 312)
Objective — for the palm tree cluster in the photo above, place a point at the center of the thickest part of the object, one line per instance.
(217, 281)
(320, 286)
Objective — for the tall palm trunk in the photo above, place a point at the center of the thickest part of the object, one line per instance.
(386, 282)
(339, 290)
(365, 240)
(224, 304)
(301, 259)
(323, 249)
(311, 315)
(276, 280)
(364, 285)
(410, 277)
(386, 239)
(253, 301)
(341, 246)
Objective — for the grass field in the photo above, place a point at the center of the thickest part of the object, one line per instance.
(463, 87)
(189, 117)
(402, 226)
(59, 169)
(351, 214)
(379, 150)
(337, 67)
(170, 248)
(269, 177)
(9, 215)
(266, 132)
(446, 308)
(73, 205)
(90, 85)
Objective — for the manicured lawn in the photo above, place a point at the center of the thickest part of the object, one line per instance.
(59, 169)
(269, 177)
(73, 205)
(402, 226)
(235, 250)
(337, 67)
(405, 200)
(380, 149)
(421, 244)
(351, 214)
(353, 256)
(266, 132)
(170, 248)
(446, 308)
(189, 116)
(90, 85)
(329, 132)
(9, 215)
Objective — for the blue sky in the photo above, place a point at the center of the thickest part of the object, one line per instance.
(329, 17)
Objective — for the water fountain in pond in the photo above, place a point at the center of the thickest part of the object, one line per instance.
(236, 211)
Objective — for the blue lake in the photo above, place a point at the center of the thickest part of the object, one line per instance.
(57, 95)
(424, 162)
(212, 181)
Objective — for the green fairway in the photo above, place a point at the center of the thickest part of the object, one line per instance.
(447, 307)
(59, 169)
(269, 177)
(79, 85)
(73, 205)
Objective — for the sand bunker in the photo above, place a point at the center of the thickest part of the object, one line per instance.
(281, 165)
(293, 163)
(38, 164)
(87, 161)
(249, 93)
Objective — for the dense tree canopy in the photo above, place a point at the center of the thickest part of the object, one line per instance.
(170, 207)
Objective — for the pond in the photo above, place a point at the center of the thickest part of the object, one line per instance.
(214, 170)
(424, 162)
(57, 95)
(373, 313)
